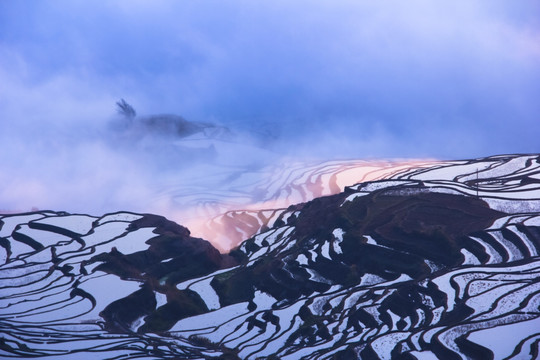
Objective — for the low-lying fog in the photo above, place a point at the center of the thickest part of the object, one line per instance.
(261, 85)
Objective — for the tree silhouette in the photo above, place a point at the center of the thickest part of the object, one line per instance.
(125, 109)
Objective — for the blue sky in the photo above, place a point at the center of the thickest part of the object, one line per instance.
(442, 79)
(326, 79)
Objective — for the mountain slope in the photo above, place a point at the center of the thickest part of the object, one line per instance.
(441, 261)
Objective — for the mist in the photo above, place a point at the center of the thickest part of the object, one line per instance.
(303, 81)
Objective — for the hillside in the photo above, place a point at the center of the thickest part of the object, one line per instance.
(438, 261)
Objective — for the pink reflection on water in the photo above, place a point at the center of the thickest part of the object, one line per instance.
(239, 220)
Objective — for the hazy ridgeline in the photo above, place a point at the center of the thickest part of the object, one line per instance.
(164, 164)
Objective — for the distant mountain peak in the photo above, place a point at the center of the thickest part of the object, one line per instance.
(169, 125)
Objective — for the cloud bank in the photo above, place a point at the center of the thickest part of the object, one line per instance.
(311, 79)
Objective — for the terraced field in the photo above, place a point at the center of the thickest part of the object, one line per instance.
(256, 198)
(435, 260)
